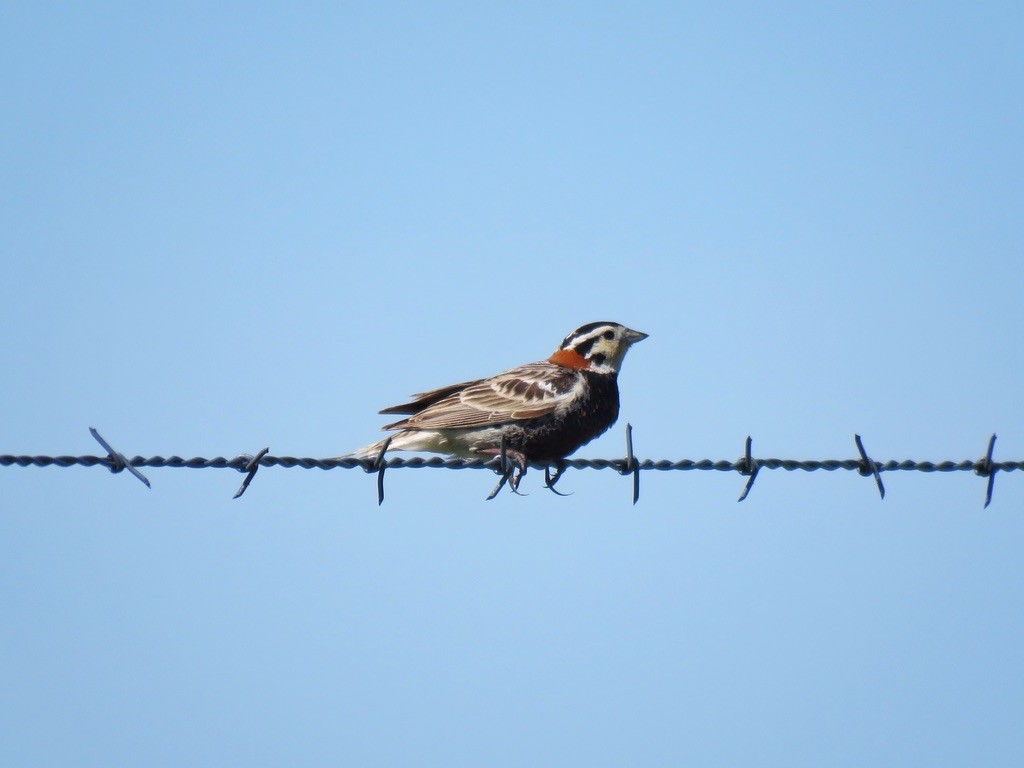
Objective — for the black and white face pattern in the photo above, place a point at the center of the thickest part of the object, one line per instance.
(603, 345)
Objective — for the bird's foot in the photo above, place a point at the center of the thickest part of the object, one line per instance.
(508, 469)
(549, 480)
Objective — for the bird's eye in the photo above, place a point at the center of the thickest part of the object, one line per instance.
(609, 335)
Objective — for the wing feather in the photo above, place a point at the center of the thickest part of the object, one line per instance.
(526, 392)
(426, 399)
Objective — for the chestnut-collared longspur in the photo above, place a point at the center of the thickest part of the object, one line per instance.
(544, 410)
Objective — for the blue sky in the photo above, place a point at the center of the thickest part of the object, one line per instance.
(230, 226)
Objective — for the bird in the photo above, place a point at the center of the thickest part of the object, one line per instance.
(538, 412)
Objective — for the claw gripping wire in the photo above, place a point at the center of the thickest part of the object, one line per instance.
(550, 480)
(507, 469)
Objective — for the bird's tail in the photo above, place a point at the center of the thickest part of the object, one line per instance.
(400, 441)
(371, 451)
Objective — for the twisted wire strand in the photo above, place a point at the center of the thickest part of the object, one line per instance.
(747, 465)
(242, 463)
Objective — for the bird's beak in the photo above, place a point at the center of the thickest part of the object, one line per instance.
(633, 337)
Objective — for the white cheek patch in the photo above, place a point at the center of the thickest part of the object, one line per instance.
(606, 356)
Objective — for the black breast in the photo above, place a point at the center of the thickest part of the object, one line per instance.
(555, 437)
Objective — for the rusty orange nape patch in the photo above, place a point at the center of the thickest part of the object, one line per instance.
(569, 359)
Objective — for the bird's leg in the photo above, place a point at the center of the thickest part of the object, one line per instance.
(509, 473)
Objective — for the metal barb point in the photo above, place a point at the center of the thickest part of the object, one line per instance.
(632, 465)
(379, 465)
(118, 459)
(869, 467)
(250, 468)
(985, 468)
(748, 466)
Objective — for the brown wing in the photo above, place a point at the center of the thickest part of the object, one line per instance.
(427, 399)
(525, 392)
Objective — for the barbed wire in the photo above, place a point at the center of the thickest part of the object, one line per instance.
(747, 465)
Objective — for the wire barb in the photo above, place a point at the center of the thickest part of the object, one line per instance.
(378, 466)
(117, 459)
(632, 466)
(250, 468)
(985, 468)
(869, 467)
(748, 467)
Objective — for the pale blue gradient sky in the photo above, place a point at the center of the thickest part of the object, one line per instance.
(231, 226)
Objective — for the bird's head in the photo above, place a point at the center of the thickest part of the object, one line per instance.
(598, 347)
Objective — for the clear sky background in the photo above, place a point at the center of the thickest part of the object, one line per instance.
(239, 225)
